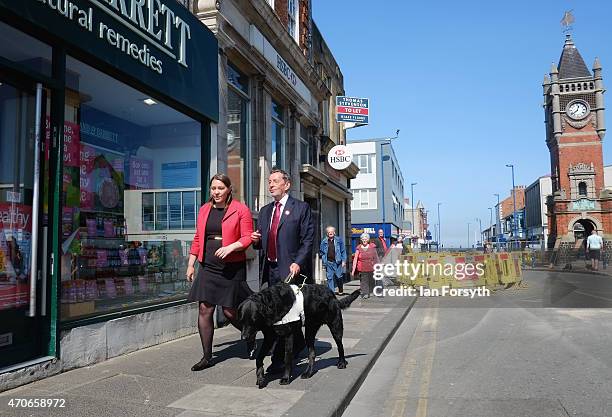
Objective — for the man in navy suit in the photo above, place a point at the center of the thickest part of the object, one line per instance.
(284, 235)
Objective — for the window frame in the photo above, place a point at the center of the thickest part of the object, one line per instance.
(293, 24)
(279, 160)
(371, 197)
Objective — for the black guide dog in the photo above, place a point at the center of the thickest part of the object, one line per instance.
(261, 310)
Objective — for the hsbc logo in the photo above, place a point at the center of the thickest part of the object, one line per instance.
(340, 157)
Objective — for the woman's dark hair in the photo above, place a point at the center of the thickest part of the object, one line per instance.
(227, 182)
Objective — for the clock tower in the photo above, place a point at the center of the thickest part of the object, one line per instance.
(575, 128)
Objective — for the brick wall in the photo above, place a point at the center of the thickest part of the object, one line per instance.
(507, 206)
(280, 7)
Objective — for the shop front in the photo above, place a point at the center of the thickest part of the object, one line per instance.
(105, 117)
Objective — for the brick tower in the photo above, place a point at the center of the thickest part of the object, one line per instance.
(575, 128)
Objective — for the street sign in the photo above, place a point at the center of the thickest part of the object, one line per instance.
(352, 110)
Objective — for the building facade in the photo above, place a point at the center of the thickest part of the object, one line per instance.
(511, 208)
(378, 189)
(575, 128)
(418, 233)
(134, 122)
(536, 218)
(104, 161)
(277, 83)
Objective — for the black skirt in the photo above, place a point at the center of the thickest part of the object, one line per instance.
(228, 288)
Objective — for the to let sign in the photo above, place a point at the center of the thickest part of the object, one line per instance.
(352, 110)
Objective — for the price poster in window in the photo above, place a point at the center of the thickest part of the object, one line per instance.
(141, 174)
(15, 250)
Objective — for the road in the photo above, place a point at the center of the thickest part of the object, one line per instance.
(544, 350)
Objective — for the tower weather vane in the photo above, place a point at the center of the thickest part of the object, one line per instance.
(567, 21)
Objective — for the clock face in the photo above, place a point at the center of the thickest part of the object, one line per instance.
(577, 110)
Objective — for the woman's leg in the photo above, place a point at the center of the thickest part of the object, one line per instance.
(364, 284)
(206, 327)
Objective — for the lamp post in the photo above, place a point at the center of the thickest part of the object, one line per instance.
(480, 224)
(412, 203)
(386, 141)
(439, 238)
(497, 223)
(490, 222)
(513, 203)
(468, 242)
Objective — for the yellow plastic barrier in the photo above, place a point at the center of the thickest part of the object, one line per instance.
(517, 270)
(492, 270)
(435, 273)
(467, 276)
(508, 275)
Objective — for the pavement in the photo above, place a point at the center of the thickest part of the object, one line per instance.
(158, 381)
(577, 267)
(542, 349)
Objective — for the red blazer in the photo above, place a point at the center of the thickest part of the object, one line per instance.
(237, 225)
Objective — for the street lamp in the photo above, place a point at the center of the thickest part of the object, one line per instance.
(439, 227)
(497, 223)
(468, 242)
(513, 203)
(490, 222)
(412, 203)
(386, 141)
(480, 224)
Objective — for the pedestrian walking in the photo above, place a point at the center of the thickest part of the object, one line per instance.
(333, 255)
(223, 232)
(366, 256)
(284, 237)
(381, 244)
(285, 234)
(594, 245)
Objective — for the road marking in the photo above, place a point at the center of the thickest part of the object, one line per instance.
(395, 405)
(428, 365)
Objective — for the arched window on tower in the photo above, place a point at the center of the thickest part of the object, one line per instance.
(582, 189)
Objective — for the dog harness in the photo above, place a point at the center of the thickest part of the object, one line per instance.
(297, 310)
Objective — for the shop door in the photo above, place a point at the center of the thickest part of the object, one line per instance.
(22, 229)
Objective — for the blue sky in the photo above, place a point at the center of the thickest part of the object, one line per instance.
(462, 81)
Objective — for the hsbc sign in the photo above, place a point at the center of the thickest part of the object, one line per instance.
(340, 157)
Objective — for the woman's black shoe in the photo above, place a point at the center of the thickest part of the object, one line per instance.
(203, 364)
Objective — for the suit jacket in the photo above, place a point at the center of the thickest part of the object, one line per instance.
(339, 247)
(294, 238)
(237, 225)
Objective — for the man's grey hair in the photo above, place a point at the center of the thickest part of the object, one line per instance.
(366, 235)
(328, 228)
(284, 173)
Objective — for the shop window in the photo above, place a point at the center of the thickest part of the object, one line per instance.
(278, 135)
(24, 50)
(131, 191)
(238, 167)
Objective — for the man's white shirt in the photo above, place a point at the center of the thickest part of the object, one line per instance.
(283, 202)
(594, 242)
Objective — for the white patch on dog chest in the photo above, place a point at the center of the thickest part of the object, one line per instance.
(297, 310)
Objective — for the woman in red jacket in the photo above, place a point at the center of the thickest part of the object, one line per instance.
(363, 262)
(223, 233)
